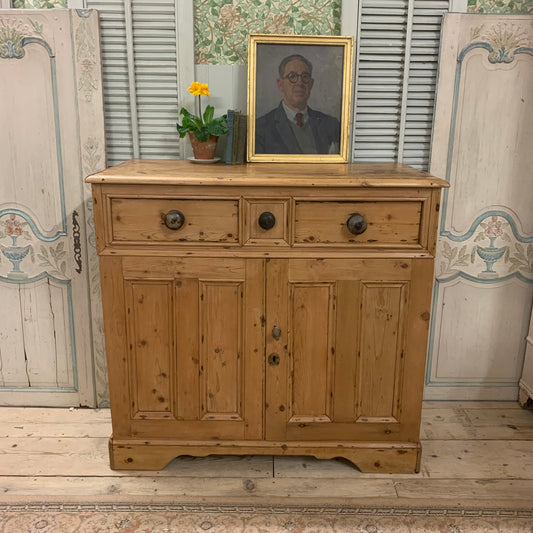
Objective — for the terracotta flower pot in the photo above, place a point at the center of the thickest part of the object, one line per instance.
(203, 149)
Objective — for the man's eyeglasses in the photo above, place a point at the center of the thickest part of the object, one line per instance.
(293, 77)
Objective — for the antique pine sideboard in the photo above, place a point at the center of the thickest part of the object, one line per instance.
(266, 309)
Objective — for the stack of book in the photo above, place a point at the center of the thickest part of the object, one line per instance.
(236, 138)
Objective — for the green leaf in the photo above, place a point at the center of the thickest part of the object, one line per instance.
(202, 134)
(208, 114)
(217, 128)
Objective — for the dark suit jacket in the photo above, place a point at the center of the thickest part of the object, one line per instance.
(274, 135)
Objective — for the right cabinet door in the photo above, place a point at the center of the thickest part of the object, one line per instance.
(346, 346)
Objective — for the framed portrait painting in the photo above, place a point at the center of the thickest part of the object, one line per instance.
(299, 96)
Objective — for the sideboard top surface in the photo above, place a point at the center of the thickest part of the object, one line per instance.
(177, 172)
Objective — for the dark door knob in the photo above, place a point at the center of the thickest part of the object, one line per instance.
(174, 219)
(267, 220)
(356, 224)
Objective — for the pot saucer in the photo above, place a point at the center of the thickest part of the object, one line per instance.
(204, 161)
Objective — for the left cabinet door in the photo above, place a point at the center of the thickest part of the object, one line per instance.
(184, 339)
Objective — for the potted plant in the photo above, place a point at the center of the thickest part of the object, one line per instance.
(203, 129)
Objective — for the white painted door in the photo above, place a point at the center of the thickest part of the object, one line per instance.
(51, 136)
(482, 145)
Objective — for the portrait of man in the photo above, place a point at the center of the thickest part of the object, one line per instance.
(299, 94)
(293, 127)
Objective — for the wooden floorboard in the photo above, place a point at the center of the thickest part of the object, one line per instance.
(473, 453)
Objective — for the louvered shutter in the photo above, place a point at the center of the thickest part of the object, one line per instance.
(394, 104)
(140, 59)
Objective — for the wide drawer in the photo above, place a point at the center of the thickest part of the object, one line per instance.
(143, 220)
(388, 223)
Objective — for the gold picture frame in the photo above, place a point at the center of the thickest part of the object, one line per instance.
(289, 73)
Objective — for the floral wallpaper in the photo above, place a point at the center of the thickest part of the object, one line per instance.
(517, 7)
(39, 4)
(221, 27)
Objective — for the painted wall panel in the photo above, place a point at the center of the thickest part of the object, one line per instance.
(51, 101)
(497, 130)
(484, 268)
(486, 349)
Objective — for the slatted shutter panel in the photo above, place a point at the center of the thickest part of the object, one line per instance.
(423, 64)
(140, 72)
(394, 104)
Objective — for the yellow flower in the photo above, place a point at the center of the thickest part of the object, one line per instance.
(199, 89)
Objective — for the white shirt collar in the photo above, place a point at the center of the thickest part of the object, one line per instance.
(291, 114)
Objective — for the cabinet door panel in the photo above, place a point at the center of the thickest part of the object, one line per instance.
(149, 305)
(194, 338)
(350, 350)
(380, 350)
(311, 312)
(221, 349)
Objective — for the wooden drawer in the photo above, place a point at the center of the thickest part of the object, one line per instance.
(389, 223)
(142, 220)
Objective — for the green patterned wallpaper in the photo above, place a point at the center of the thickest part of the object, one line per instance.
(221, 27)
(516, 7)
(39, 4)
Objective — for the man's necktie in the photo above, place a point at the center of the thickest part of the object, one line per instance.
(299, 119)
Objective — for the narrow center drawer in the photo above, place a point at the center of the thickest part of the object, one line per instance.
(388, 223)
(143, 220)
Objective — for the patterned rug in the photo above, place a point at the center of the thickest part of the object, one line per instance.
(189, 518)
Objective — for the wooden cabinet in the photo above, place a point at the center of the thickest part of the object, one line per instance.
(243, 316)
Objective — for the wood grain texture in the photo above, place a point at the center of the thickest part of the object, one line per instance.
(254, 234)
(210, 221)
(388, 223)
(236, 353)
(380, 351)
(61, 454)
(171, 172)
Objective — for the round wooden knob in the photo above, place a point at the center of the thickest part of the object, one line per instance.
(356, 224)
(174, 219)
(267, 220)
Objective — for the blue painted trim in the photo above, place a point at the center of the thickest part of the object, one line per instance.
(39, 277)
(489, 281)
(28, 40)
(84, 13)
(479, 219)
(68, 284)
(37, 389)
(473, 384)
(451, 137)
(33, 226)
(524, 50)
(72, 336)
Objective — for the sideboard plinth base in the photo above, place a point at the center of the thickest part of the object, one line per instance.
(381, 458)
